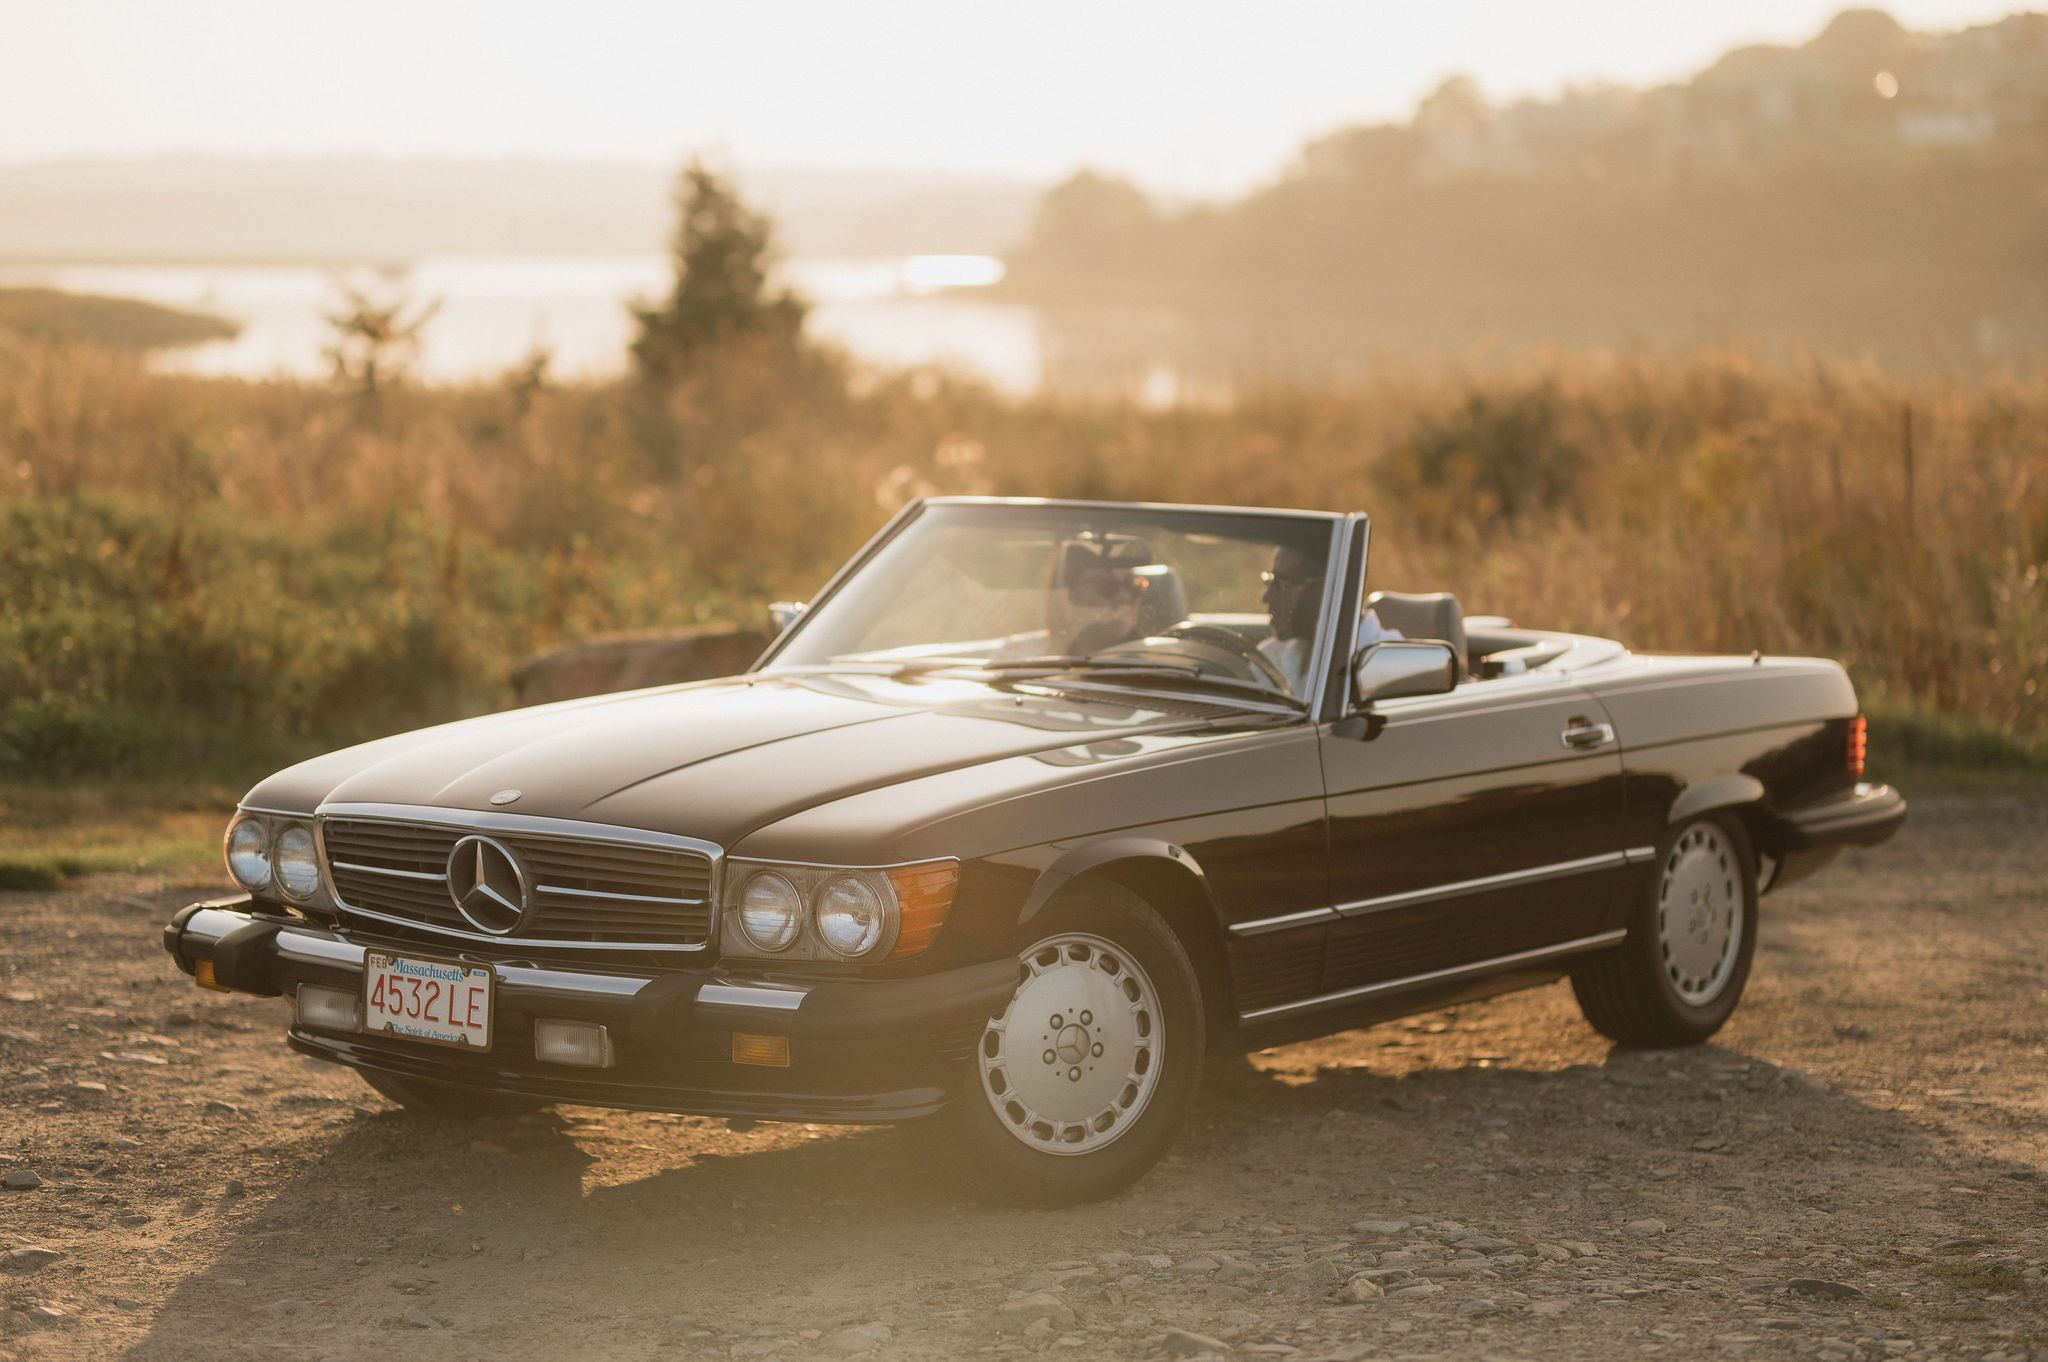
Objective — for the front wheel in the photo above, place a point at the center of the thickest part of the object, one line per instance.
(1079, 1085)
(1678, 976)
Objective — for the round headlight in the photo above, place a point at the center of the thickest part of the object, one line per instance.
(249, 854)
(850, 917)
(298, 868)
(771, 911)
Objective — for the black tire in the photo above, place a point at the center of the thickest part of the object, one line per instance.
(984, 1152)
(1635, 994)
(448, 1099)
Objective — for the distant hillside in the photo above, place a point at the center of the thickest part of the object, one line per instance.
(1874, 189)
(123, 323)
(382, 210)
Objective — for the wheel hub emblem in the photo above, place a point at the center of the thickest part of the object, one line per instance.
(1072, 1047)
(487, 885)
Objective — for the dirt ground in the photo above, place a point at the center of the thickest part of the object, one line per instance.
(1858, 1168)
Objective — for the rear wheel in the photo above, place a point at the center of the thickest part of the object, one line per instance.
(1079, 1085)
(1691, 937)
(448, 1099)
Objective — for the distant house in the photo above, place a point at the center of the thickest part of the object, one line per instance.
(1981, 85)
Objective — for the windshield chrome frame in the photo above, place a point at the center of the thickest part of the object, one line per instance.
(910, 511)
(1332, 699)
(1326, 620)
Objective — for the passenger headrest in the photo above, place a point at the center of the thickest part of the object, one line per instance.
(1435, 614)
(1165, 602)
(1120, 575)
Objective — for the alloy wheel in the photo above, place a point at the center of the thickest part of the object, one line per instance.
(1700, 913)
(1073, 1060)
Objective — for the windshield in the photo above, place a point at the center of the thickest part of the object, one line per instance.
(1217, 598)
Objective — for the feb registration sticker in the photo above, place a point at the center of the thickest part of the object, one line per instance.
(438, 1001)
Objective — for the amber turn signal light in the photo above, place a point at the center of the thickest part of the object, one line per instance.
(924, 895)
(1859, 745)
(768, 1052)
(202, 975)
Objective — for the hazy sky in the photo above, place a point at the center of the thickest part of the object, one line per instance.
(1193, 95)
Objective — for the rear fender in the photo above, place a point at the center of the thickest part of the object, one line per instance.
(1722, 792)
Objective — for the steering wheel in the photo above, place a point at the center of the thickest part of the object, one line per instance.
(1234, 643)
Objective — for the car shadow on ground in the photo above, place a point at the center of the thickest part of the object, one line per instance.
(593, 1234)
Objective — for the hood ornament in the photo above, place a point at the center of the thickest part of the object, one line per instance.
(506, 796)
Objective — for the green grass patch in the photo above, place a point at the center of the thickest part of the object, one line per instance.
(52, 834)
(1922, 749)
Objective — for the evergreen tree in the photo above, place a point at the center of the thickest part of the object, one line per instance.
(723, 251)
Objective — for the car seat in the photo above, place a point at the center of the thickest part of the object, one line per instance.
(1434, 614)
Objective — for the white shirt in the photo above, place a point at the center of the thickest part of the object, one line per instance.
(1370, 630)
(1290, 655)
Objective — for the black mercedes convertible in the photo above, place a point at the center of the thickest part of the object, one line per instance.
(1035, 803)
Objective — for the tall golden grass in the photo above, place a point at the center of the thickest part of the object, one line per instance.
(193, 566)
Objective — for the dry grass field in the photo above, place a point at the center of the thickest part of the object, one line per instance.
(210, 575)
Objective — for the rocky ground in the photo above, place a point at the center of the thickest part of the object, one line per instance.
(1857, 1169)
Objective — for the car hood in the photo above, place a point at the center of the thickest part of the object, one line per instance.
(718, 760)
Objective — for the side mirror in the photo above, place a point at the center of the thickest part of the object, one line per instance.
(1392, 668)
(782, 614)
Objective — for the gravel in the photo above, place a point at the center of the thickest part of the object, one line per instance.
(1491, 1181)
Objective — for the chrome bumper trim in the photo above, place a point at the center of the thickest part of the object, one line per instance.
(746, 995)
(308, 945)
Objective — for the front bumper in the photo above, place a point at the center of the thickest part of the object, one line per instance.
(860, 1050)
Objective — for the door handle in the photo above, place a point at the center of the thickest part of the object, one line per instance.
(1582, 735)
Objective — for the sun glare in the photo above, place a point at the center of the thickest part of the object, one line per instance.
(926, 273)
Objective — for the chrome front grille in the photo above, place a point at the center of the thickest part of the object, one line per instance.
(591, 887)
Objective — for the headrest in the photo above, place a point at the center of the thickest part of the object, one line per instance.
(1434, 614)
(1165, 602)
(1118, 574)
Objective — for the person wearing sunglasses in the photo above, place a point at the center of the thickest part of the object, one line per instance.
(1294, 593)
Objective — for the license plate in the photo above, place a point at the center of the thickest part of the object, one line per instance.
(439, 1001)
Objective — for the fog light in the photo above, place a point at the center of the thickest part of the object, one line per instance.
(770, 1052)
(329, 1009)
(572, 1042)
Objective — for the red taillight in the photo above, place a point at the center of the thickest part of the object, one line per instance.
(1859, 745)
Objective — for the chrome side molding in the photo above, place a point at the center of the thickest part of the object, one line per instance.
(1454, 889)
(1442, 976)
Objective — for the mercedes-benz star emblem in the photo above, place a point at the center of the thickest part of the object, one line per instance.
(487, 885)
(506, 796)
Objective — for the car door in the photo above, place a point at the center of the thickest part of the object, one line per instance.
(1484, 825)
